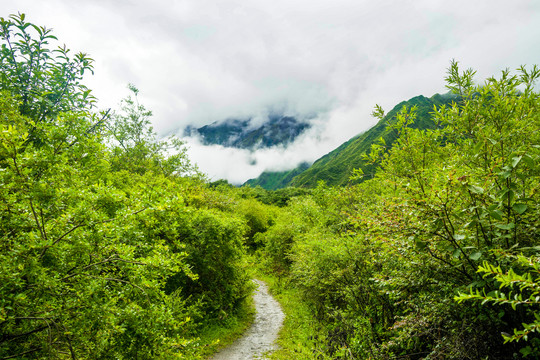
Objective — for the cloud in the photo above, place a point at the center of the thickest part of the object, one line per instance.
(198, 61)
(239, 165)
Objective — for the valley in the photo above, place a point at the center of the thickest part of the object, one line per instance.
(416, 239)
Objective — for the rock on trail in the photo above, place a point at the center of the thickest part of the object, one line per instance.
(260, 337)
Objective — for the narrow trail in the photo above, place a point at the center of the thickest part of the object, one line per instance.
(260, 337)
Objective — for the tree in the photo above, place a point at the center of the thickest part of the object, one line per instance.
(135, 146)
(45, 81)
(383, 262)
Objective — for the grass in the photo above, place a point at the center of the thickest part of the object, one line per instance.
(216, 337)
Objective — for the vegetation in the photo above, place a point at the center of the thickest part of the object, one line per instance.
(272, 180)
(114, 246)
(110, 247)
(450, 214)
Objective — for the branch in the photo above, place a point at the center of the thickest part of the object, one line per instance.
(39, 225)
(103, 118)
(60, 238)
(121, 281)
(20, 354)
(110, 259)
(448, 263)
(91, 129)
(81, 224)
(9, 337)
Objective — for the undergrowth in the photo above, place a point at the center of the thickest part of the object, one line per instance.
(218, 336)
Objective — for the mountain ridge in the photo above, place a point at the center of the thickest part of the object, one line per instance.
(336, 167)
(240, 133)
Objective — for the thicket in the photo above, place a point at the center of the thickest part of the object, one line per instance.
(437, 256)
(112, 245)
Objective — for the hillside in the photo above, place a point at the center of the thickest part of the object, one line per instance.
(273, 180)
(335, 167)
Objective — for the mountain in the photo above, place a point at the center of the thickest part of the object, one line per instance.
(276, 180)
(335, 168)
(277, 130)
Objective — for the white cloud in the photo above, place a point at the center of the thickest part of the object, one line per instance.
(198, 61)
(239, 165)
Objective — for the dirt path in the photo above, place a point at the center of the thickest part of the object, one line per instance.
(261, 336)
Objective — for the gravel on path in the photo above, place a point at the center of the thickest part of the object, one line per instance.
(261, 336)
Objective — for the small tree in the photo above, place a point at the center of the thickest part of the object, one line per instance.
(135, 146)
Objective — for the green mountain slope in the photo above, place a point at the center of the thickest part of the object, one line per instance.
(272, 180)
(335, 167)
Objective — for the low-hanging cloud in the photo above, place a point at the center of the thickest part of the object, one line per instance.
(238, 165)
(200, 61)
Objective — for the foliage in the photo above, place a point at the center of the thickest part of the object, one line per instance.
(65, 260)
(47, 82)
(381, 262)
(259, 217)
(279, 197)
(100, 260)
(469, 185)
(134, 144)
(523, 291)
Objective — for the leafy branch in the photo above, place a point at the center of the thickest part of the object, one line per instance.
(523, 290)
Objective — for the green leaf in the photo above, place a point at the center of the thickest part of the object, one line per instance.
(420, 245)
(496, 214)
(508, 226)
(516, 160)
(477, 148)
(38, 29)
(526, 351)
(505, 174)
(519, 208)
(507, 195)
(476, 189)
(471, 224)
(475, 255)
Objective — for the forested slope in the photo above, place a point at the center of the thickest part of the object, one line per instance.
(273, 180)
(336, 167)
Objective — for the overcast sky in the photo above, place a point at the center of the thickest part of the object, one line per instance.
(198, 61)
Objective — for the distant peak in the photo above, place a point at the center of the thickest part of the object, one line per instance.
(277, 129)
